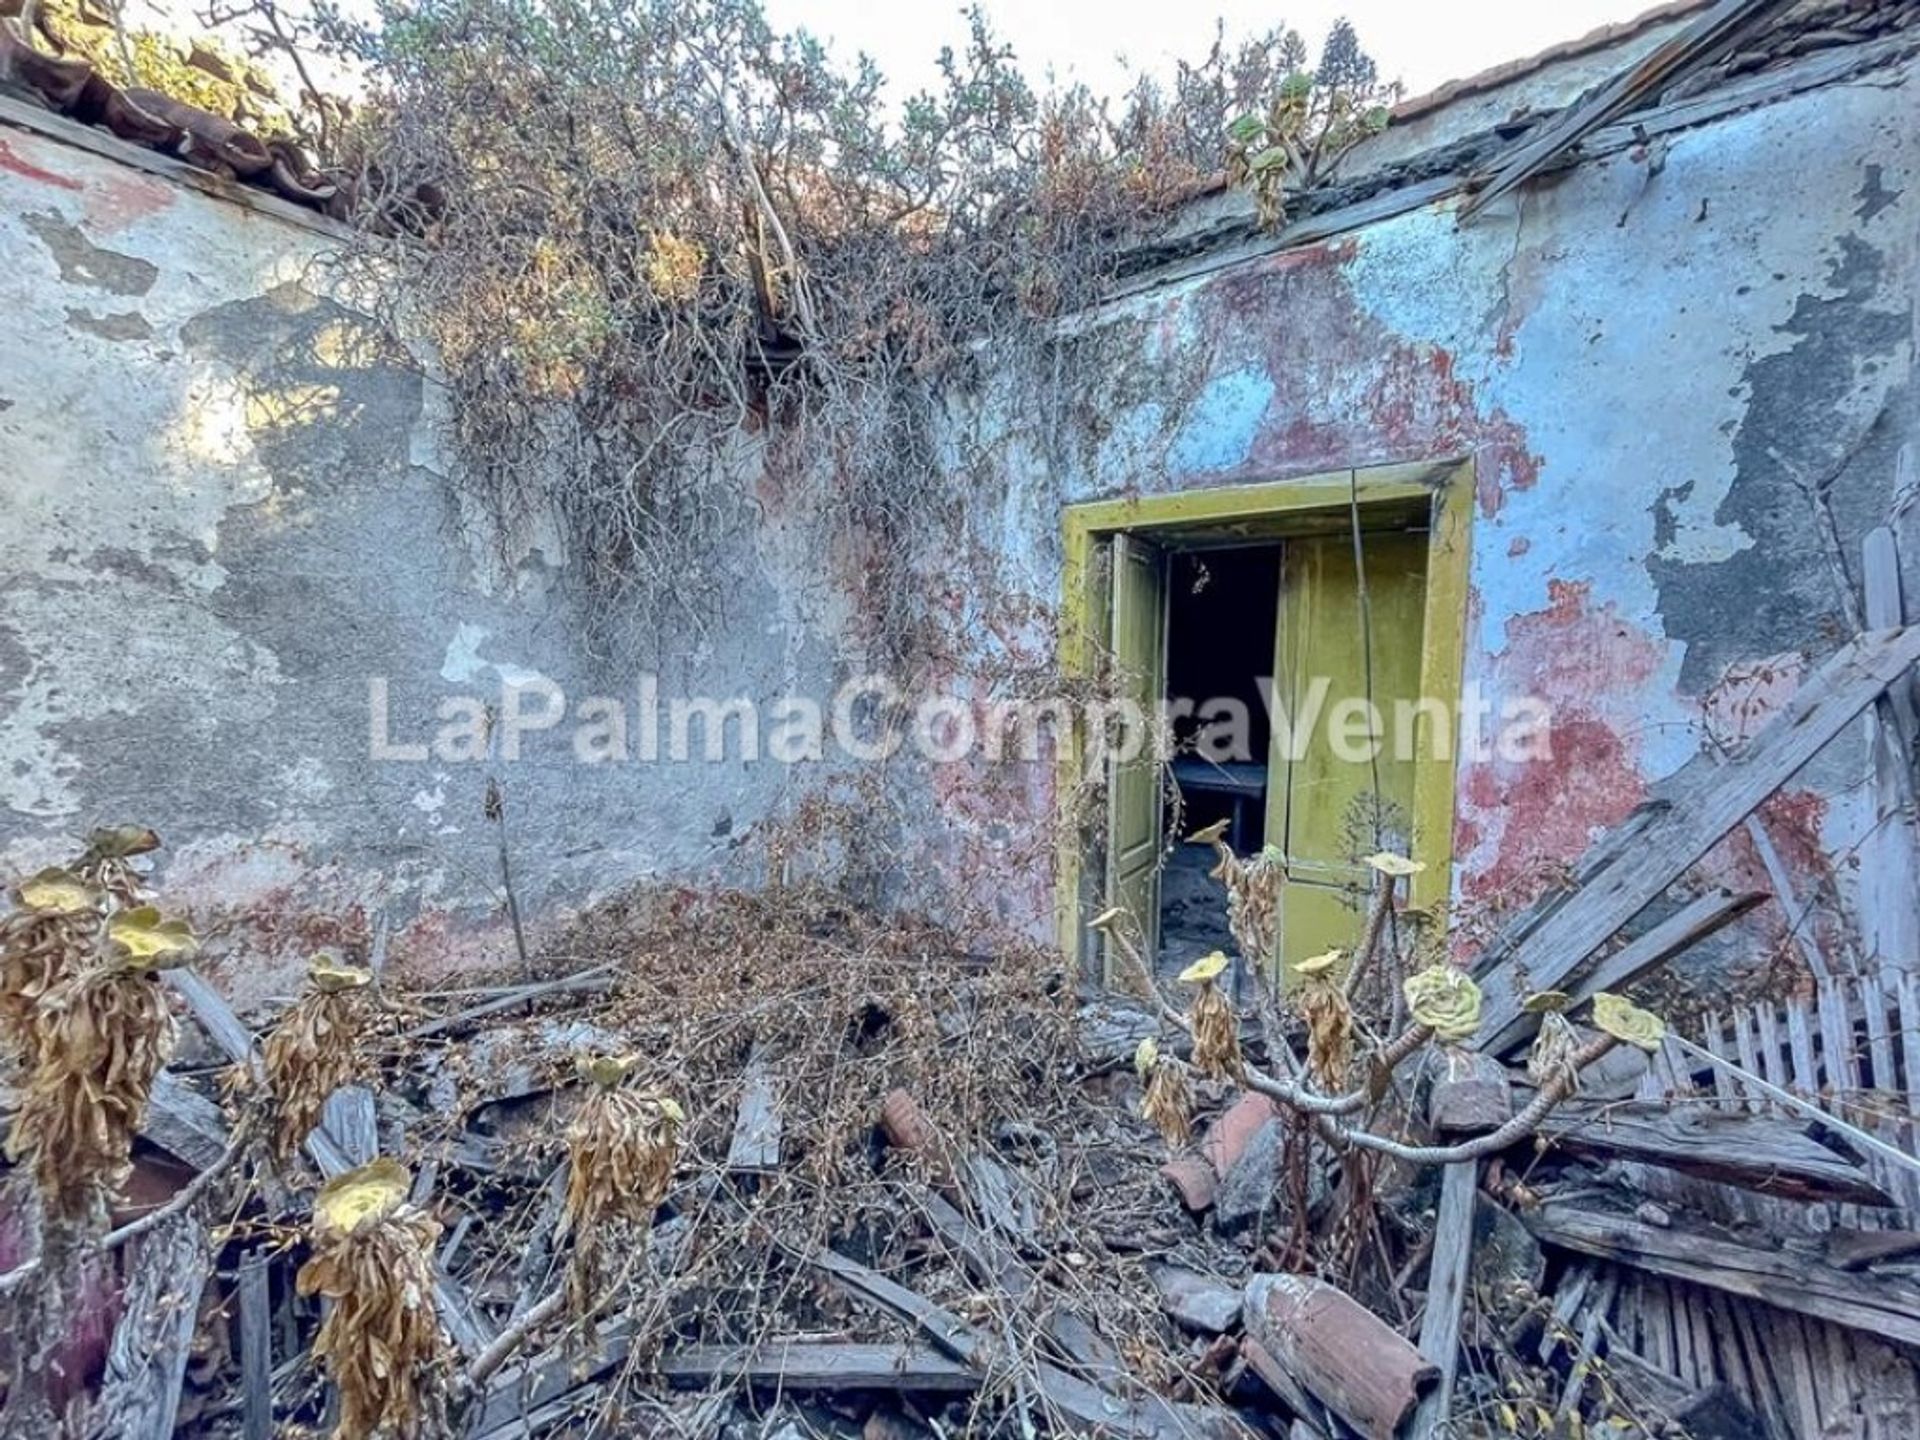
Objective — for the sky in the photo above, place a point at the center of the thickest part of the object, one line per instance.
(1423, 43)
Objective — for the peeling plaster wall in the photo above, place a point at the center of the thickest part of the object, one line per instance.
(1656, 362)
(224, 513)
(221, 518)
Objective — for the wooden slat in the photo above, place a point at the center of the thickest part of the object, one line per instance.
(1706, 801)
(1880, 1305)
(1806, 1074)
(1873, 1005)
(1773, 1063)
(1749, 1051)
(256, 1348)
(1714, 1036)
(1771, 1155)
(1790, 1346)
(798, 1365)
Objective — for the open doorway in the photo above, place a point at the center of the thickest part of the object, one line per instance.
(1222, 605)
(1349, 587)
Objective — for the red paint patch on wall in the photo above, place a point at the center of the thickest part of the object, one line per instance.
(124, 200)
(16, 164)
(1519, 819)
(1348, 391)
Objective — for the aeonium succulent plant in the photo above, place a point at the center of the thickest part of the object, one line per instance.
(372, 1257)
(315, 1049)
(1216, 1029)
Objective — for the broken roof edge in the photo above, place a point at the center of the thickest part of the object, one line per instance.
(1221, 231)
(19, 113)
(1605, 37)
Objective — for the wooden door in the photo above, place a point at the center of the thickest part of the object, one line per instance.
(1325, 811)
(1138, 640)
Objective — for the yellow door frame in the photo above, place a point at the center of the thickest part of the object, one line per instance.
(1440, 493)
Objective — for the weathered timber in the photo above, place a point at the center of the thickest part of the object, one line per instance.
(755, 1147)
(1447, 1294)
(1862, 1249)
(183, 1122)
(1679, 932)
(348, 1117)
(1471, 1093)
(1758, 1152)
(464, 1322)
(147, 1361)
(256, 1348)
(1711, 1412)
(802, 1365)
(1713, 35)
(1195, 1301)
(1099, 1410)
(1340, 1352)
(1890, 852)
(1705, 801)
(1881, 1305)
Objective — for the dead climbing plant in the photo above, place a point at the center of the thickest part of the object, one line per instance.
(621, 1149)
(705, 257)
(101, 1036)
(372, 1258)
(315, 1049)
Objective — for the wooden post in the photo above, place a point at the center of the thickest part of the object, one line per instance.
(256, 1349)
(1889, 857)
(1447, 1294)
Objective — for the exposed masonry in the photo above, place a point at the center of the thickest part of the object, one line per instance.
(225, 512)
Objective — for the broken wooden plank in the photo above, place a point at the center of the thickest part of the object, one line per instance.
(804, 1365)
(147, 1362)
(1881, 1305)
(755, 1147)
(348, 1117)
(1705, 801)
(1760, 1152)
(1861, 1249)
(1678, 933)
(1702, 42)
(184, 1123)
(256, 1347)
(1447, 1295)
(464, 1322)
(1079, 1400)
(1339, 1352)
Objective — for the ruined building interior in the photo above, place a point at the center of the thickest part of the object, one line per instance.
(514, 926)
